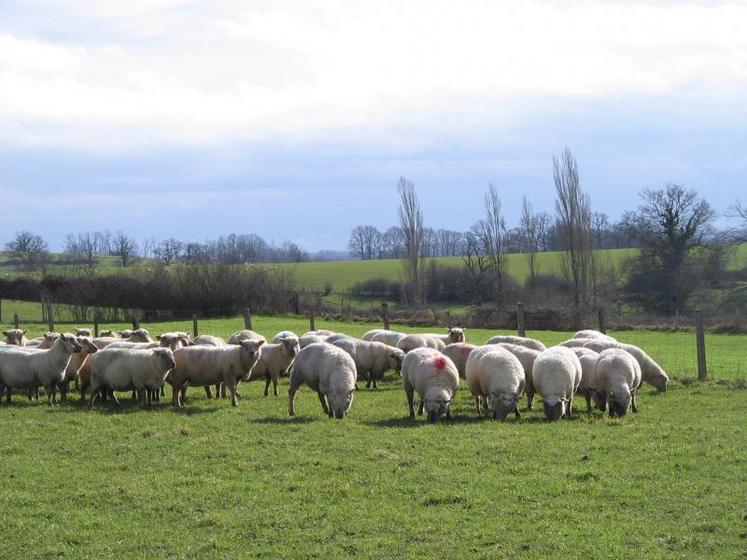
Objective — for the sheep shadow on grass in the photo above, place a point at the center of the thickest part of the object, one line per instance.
(286, 420)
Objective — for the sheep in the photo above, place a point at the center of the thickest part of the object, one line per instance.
(591, 333)
(110, 334)
(274, 361)
(338, 336)
(208, 340)
(390, 338)
(458, 352)
(283, 334)
(307, 339)
(556, 374)
(578, 342)
(652, 373)
(526, 356)
(497, 376)
(246, 334)
(371, 358)
(138, 335)
(122, 369)
(77, 360)
(598, 344)
(207, 365)
(434, 377)
(176, 337)
(524, 341)
(453, 334)
(412, 341)
(127, 333)
(328, 370)
(588, 384)
(320, 332)
(15, 337)
(48, 339)
(618, 376)
(29, 368)
(169, 341)
(83, 332)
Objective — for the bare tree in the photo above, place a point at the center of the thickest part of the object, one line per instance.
(169, 250)
(739, 210)
(492, 234)
(543, 222)
(600, 226)
(88, 246)
(28, 248)
(531, 237)
(394, 242)
(124, 247)
(476, 263)
(411, 223)
(148, 247)
(357, 242)
(573, 225)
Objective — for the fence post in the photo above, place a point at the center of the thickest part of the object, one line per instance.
(1, 310)
(96, 323)
(448, 319)
(700, 340)
(602, 320)
(385, 314)
(520, 319)
(312, 325)
(50, 317)
(195, 334)
(247, 318)
(135, 318)
(15, 320)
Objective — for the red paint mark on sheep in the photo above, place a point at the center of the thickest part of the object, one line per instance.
(439, 363)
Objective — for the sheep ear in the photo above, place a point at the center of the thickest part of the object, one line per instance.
(158, 337)
(260, 342)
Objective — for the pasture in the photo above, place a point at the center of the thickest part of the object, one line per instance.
(212, 481)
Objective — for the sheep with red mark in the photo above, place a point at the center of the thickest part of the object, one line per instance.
(434, 377)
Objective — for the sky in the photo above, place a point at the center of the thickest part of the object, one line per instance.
(295, 120)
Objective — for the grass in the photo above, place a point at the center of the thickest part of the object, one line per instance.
(216, 482)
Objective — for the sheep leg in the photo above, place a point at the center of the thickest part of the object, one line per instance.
(268, 380)
(478, 403)
(162, 392)
(134, 396)
(409, 391)
(182, 395)
(323, 401)
(234, 394)
(587, 396)
(373, 380)
(94, 394)
(76, 384)
(51, 394)
(63, 390)
(114, 397)
(517, 414)
(421, 406)
(7, 395)
(569, 412)
(208, 392)
(634, 403)
(368, 380)
(291, 396)
(175, 391)
(330, 409)
(83, 387)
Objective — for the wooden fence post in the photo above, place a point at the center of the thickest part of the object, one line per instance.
(50, 317)
(96, 323)
(602, 320)
(448, 319)
(700, 340)
(135, 318)
(1, 310)
(195, 333)
(312, 325)
(520, 319)
(247, 318)
(15, 320)
(385, 314)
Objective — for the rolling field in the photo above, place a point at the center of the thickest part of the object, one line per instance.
(212, 481)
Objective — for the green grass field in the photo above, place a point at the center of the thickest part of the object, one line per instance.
(212, 481)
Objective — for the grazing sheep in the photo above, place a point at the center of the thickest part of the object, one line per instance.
(246, 334)
(390, 338)
(122, 369)
(578, 342)
(453, 335)
(458, 352)
(208, 340)
(598, 344)
(28, 368)
(207, 365)
(328, 370)
(274, 361)
(320, 332)
(497, 376)
(371, 358)
(526, 356)
(651, 372)
(76, 363)
(15, 337)
(434, 377)
(83, 332)
(283, 334)
(556, 374)
(524, 341)
(307, 339)
(591, 333)
(110, 334)
(338, 336)
(618, 376)
(410, 342)
(588, 384)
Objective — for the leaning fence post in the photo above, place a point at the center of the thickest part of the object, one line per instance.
(520, 319)
(247, 318)
(601, 315)
(96, 323)
(385, 314)
(50, 317)
(15, 320)
(194, 325)
(700, 340)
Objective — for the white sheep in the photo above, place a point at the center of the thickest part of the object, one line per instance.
(77, 360)
(15, 337)
(524, 341)
(138, 335)
(458, 352)
(598, 344)
(208, 365)
(434, 377)
(556, 374)
(178, 338)
(83, 332)
(591, 333)
(245, 334)
(372, 359)
(618, 376)
(27, 368)
(274, 361)
(110, 333)
(328, 370)
(496, 375)
(453, 335)
(652, 373)
(410, 342)
(308, 339)
(389, 338)
(283, 334)
(320, 332)
(588, 384)
(208, 340)
(580, 342)
(526, 356)
(122, 369)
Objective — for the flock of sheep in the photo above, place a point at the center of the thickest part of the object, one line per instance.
(431, 365)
